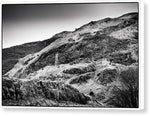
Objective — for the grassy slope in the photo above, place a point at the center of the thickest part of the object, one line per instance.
(11, 55)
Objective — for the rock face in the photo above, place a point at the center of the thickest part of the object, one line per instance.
(86, 67)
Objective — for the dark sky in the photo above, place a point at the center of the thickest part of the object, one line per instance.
(27, 23)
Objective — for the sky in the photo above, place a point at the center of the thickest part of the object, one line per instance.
(23, 23)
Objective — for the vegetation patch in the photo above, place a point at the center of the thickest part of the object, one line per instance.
(122, 58)
(107, 76)
(82, 78)
(80, 70)
(127, 96)
(18, 91)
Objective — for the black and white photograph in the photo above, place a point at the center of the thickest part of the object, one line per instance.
(83, 55)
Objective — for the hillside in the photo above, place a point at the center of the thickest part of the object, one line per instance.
(11, 55)
(95, 65)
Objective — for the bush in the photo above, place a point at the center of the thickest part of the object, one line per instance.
(21, 92)
(122, 58)
(11, 90)
(90, 68)
(127, 96)
(107, 76)
(82, 78)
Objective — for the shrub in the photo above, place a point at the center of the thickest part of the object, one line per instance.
(82, 70)
(135, 35)
(127, 96)
(107, 76)
(21, 92)
(82, 78)
(122, 58)
(11, 90)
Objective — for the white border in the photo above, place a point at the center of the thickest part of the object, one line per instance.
(141, 54)
(62, 1)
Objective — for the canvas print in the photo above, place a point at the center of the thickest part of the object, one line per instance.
(70, 55)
